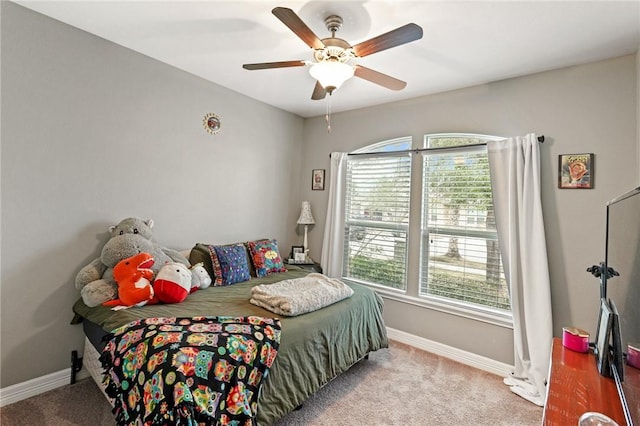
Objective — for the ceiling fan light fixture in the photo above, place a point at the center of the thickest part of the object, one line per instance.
(331, 74)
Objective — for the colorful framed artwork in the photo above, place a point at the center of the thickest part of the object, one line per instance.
(575, 171)
(317, 180)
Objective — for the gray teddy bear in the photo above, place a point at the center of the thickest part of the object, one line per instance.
(128, 238)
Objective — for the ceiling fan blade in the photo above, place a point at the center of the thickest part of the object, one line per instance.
(318, 92)
(295, 24)
(397, 37)
(267, 65)
(379, 78)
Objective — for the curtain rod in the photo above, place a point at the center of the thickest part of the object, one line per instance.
(418, 150)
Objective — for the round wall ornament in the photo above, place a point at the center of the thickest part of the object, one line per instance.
(212, 123)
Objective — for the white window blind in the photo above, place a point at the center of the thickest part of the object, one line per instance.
(460, 258)
(378, 191)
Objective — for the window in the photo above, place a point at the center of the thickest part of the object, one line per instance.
(460, 257)
(458, 266)
(377, 215)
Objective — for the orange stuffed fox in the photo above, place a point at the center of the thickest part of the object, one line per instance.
(134, 276)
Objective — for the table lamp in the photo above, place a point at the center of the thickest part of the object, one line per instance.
(306, 219)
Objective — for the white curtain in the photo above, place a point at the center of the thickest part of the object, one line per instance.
(333, 241)
(515, 181)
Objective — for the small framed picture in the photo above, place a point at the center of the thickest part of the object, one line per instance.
(575, 171)
(295, 250)
(317, 180)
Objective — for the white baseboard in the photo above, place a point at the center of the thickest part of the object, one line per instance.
(478, 361)
(33, 387)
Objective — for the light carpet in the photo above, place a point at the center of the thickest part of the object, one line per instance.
(401, 385)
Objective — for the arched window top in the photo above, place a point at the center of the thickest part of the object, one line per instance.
(433, 140)
(439, 140)
(391, 145)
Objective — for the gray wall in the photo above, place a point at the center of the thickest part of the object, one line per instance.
(93, 133)
(588, 108)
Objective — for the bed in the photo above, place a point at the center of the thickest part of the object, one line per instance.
(313, 349)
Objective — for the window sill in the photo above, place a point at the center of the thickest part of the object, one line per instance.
(478, 314)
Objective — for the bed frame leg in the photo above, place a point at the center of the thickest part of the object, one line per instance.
(76, 365)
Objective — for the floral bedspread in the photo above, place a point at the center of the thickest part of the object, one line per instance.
(189, 371)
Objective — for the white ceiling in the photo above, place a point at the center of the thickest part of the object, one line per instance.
(464, 43)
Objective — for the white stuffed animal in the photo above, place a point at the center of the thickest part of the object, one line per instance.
(201, 278)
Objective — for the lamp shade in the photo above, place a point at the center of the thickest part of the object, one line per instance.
(331, 74)
(306, 218)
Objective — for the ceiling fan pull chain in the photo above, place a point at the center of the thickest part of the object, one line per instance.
(327, 116)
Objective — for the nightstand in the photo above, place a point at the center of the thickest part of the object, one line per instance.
(310, 266)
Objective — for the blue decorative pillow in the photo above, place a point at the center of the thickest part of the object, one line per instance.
(233, 263)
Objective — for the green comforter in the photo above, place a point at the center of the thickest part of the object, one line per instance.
(314, 348)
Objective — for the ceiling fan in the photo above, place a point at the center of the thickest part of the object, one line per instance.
(332, 55)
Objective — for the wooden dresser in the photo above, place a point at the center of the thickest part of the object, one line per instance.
(575, 387)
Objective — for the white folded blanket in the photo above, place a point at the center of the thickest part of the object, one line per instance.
(300, 295)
